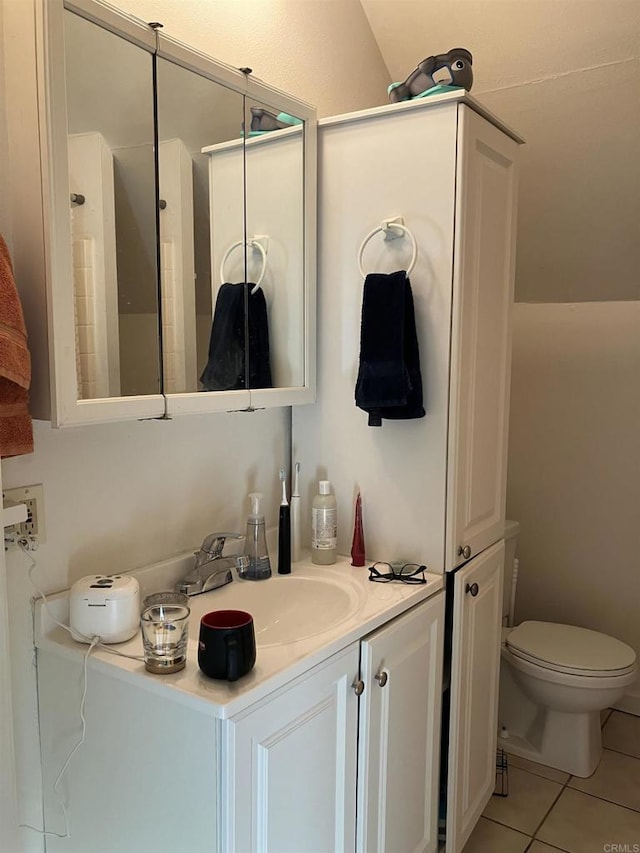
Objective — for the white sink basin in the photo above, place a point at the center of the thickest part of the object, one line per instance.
(285, 608)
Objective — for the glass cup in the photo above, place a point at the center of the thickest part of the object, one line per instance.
(165, 631)
(165, 597)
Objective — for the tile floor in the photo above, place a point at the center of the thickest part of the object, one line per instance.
(547, 811)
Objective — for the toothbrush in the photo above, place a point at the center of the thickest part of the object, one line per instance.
(295, 515)
(284, 532)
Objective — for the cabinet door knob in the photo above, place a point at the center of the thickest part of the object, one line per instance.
(472, 588)
(464, 551)
(382, 677)
(358, 686)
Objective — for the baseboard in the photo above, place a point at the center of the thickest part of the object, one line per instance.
(630, 703)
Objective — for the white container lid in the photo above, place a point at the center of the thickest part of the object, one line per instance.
(99, 588)
(570, 649)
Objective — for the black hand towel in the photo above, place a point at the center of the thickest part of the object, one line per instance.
(259, 355)
(389, 382)
(226, 370)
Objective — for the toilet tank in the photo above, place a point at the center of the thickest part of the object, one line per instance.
(511, 530)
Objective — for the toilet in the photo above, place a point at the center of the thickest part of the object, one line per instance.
(554, 681)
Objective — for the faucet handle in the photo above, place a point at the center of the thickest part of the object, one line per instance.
(213, 544)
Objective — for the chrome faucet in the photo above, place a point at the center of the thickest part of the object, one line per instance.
(212, 569)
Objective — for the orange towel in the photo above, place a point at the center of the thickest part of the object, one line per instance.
(16, 429)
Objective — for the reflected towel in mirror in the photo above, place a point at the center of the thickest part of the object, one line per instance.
(225, 370)
(389, 383)
(16, 429)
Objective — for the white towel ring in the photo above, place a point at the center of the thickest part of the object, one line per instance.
(253, 244)
(386, 228)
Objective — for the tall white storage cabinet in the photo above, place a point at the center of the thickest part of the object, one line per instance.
(433, 489)
(435, 486)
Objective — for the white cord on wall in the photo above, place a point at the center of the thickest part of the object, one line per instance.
(24, 543)
(63, 769)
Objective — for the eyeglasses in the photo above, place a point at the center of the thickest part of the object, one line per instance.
(409, 573)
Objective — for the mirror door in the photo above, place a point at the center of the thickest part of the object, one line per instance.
(281, 216)
(201, 232)
(252, 153)
(112, 200)
(275, 213)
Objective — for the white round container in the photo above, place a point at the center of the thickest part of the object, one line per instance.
(107, 606)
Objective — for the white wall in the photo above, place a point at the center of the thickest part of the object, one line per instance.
(122, 495)
(574, 466)
(323, 51)
(565, 74)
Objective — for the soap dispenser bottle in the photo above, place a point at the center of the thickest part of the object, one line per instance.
(256, 543)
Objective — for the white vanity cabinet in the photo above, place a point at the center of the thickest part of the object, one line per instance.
(473, 692)
(343, 756)
(291, 766)
(297, 759)
(399, 733)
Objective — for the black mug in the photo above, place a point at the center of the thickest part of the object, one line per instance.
(227, 644)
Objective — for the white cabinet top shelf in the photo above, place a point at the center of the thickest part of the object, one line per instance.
(454, 96)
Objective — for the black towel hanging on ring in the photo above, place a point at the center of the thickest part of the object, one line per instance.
(389, 383)
(226, 369)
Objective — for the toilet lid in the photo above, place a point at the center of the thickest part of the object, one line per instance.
(571, 649)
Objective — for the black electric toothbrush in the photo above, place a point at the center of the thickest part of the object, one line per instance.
(284, 532)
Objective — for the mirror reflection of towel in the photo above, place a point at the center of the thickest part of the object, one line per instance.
(389, 381)
(225, 370)
(16, 429)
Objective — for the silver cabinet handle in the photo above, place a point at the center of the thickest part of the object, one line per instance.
(358, 686)
(464, 551)
(382, 677)
(472, 588)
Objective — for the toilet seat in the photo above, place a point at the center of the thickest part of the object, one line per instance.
(571, 650)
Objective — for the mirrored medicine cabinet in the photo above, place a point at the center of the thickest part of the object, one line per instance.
(180, 225)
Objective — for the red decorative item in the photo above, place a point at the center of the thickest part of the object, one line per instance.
(357, 546)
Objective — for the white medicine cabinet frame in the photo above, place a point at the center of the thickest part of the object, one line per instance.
(61, 396)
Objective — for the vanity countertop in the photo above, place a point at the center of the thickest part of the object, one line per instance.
(276, 664)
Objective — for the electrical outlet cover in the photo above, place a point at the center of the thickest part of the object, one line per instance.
(33, 497)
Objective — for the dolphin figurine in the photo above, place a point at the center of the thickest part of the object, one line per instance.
(457, 61)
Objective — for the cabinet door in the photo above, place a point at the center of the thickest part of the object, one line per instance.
(484, 257)
(97, 207)
(475, 667)
(399, 733)
(292, 766)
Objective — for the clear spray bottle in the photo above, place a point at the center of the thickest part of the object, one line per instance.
(256, 543)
